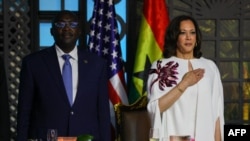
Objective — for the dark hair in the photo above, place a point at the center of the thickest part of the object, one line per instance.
(172, 34)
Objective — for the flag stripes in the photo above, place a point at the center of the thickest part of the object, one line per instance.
(104, 40)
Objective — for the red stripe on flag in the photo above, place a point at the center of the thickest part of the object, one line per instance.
(113, 96)
(156, 14)
(150, 44)
(117, 89)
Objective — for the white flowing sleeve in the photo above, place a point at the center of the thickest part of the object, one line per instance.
(153, 96)
(154, 92)
(218, 101)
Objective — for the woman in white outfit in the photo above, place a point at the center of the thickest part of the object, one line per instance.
(184, 89)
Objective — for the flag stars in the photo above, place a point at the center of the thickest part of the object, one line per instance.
(113, 66)
(93, 21)
(91, 45)
(110, 2)
(97, 48)
(115, 42)
(105, 51)
(115, 30)
(100, 11)
(106, 39)
(114, 54)
(109, 15)
(98, 36)
(104, 35)
(100, 23)
(107, 27)
(103, 45)
(92, 33)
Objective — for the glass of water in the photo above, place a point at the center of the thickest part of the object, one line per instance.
(154, 134)
(52, 135)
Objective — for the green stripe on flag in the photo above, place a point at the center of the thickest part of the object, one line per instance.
(147, 51)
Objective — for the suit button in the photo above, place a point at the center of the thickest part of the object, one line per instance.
(72, 113)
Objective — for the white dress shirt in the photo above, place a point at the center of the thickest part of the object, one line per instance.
(74, 63)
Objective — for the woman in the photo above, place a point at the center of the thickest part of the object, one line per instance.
(184, 89)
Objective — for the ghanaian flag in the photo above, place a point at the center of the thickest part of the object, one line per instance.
(155, 20)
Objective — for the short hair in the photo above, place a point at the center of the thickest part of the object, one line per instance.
(173, 32)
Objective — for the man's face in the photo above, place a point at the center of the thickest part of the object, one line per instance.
(66, 30)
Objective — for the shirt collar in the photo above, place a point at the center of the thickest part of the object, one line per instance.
(73, 53)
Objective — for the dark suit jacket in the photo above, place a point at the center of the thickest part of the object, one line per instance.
(4, 105)
(43, 103)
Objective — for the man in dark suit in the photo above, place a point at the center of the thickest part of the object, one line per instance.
(43, 103)
(4, 105)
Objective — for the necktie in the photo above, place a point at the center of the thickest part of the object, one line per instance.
(67, 77)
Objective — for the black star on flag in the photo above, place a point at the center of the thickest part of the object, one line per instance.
(143, 75)
(150, 45)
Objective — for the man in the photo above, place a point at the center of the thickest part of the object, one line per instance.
(4, 105)
(43, 102)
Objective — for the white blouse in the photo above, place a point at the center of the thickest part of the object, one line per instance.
(196, 111)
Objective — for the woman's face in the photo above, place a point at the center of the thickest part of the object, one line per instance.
(187, 38)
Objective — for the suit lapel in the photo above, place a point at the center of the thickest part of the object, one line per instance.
(83, 63)
(50, 58)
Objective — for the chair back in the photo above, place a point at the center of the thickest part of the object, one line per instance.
(133, 121)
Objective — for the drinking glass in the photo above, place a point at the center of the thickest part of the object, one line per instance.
(52, 135)
(154, 134)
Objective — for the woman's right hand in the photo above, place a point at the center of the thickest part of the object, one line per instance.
(191, 78)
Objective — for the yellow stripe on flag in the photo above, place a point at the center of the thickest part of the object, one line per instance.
(150, 45)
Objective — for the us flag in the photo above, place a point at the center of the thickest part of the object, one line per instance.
(104, 40)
